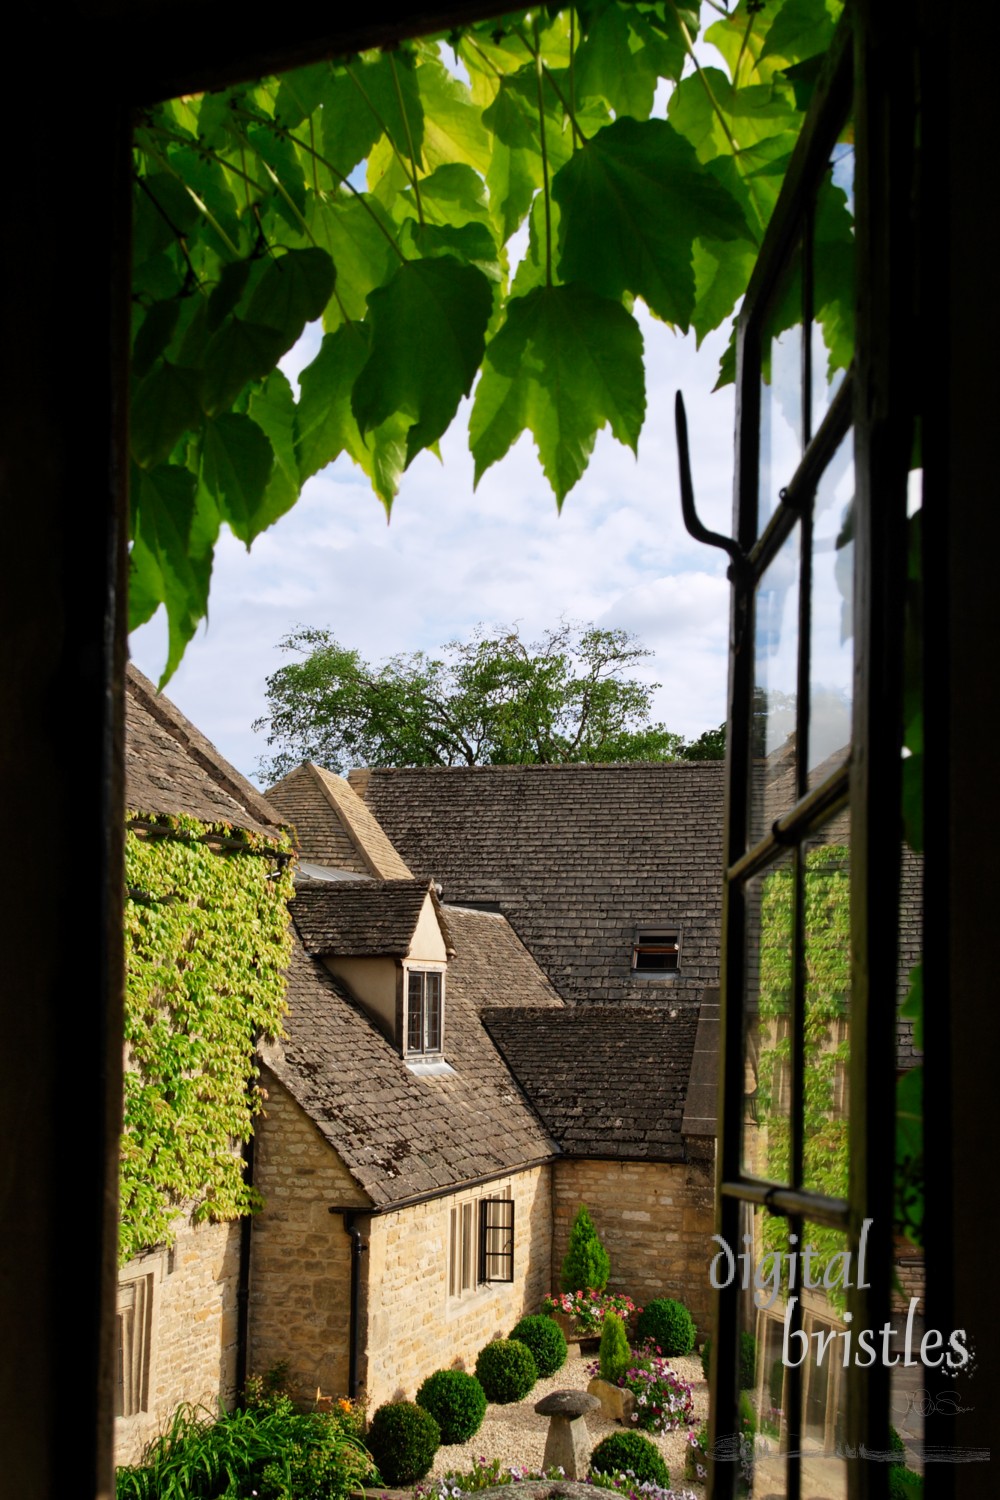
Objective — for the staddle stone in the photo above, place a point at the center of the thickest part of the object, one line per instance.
(567, 1443)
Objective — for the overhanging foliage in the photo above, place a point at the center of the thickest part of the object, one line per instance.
(380, 194)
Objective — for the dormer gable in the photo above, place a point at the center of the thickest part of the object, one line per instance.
(387, 941)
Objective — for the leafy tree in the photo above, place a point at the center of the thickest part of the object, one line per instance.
(494, 700)
(711, 745)
(586, 1265)
(379, 193)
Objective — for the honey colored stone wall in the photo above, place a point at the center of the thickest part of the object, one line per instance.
(656, 1220)
(185, 1300)
(415, 1324)
(300, 1256)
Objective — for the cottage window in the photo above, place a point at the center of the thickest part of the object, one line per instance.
(481, 1243)
(656, 950)
(134, 1319)
(424, 1010)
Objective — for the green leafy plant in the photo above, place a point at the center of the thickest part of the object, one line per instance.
(206, 932)
(378, 194)
(696, 1454)
(668, 1324)
(506, 1370)
(403, 1439)
(586, 1262)
(456, 1401)
(546, 1341)
(270, 1449)
(614, 1356)
(630, 1453)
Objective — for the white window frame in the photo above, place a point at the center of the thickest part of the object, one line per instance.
(431, 1045)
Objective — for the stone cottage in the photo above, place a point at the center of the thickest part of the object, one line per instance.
(180, 1335)
(449, 1103)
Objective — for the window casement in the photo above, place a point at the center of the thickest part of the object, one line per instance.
(481, 1243)
(496, 1239)
(424, 1011)
(656, 951)
(812, 847)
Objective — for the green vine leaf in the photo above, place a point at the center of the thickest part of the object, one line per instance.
(428, 334)
(564, 364)
(642, 183)
(236, 464)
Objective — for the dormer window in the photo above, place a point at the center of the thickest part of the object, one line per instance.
(424, 994)
(656, 951)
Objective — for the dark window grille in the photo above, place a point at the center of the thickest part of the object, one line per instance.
(496, 1239)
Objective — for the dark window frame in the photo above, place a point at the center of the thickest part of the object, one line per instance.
(496, 1261)
(428, 1012)
(651, 939)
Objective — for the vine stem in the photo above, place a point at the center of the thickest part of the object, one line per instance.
(409, 139)
(345, 182)
(716, 106)
(383, 126)
(536, 53)
(180, 238)
(545, 161)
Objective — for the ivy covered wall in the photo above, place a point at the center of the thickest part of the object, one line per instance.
(207, 941)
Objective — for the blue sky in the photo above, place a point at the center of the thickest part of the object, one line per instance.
(451, 559)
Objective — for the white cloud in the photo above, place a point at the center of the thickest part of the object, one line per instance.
(451, 558)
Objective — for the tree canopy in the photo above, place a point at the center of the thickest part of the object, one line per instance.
(493, 700)
(381, 194)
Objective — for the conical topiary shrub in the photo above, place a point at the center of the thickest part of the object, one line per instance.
(587, 1265)
(615, 1355)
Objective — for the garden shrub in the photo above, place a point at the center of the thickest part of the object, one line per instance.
(456, 1401)
(748, 1415)
(269, 1449)
(403, 1439)
(586, 1263)
(506, 1370)
(546, 1341)
(668, 1324)
(615, 1354)
(630, 1452)
(776, 1382)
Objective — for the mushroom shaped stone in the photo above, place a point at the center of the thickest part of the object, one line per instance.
(567, 1444)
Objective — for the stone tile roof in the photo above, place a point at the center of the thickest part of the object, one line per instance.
(170, 767)
(359, 918)
(398, 1134)
(332, 824)
(576, 857)
(607, 1080)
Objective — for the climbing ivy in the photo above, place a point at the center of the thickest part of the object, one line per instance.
(827, 927)
(206, 927)
(380, 194)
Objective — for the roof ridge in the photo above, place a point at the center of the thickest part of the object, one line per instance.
(361, 826)
(201, 750)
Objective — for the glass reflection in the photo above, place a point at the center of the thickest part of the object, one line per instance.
(826, 884)
(832, 334)
(773, 749)
(795, 1339)
(831, 647)
(781, 435)
(766, 1011)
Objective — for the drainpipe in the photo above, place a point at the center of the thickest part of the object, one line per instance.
(243, 1281)
(357, 1250)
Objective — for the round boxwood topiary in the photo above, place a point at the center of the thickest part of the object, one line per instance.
(668, 1324)
(456, 1401)
(506, 1370)
(403, 1439)
(630, 1452)
(546, 1341)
